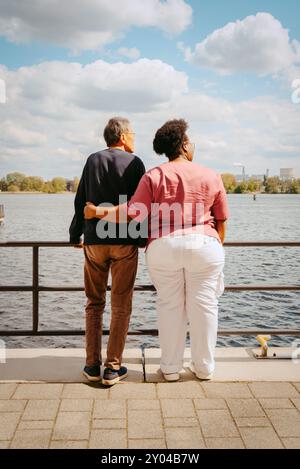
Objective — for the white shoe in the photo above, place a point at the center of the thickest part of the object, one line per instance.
(203, 376)
(171, 376)
(199, 375)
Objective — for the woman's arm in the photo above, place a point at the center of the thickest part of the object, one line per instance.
(117, 214)
(138, 208)
(221, 229)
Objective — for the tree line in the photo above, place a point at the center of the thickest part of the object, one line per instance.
(270, 185)
(19, 182)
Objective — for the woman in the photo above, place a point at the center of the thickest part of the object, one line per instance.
(184, 253)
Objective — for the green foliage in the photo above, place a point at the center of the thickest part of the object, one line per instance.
(231, 185)
(241, 188)
(75, 184)
(15, 179)
(229, 181)
(59, 184)
(32, 183)
(48, 188)
(3, 185)
(253, 185)
(271, 185)
(13, 188)
(15, 182)
(294, 187)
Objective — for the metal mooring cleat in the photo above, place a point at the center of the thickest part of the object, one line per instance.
(263, 340)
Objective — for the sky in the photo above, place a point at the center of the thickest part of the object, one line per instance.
(231, 68)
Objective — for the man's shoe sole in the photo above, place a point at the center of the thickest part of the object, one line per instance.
(111, 382)
(93, 379)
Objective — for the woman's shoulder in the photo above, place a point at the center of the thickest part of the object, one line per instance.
(205, 171)
(192, 167)
(152, 173)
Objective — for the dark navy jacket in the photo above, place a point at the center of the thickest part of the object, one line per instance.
(107, 175)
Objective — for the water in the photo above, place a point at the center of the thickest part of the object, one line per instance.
(43, 217)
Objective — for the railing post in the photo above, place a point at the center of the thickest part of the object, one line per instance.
(35, 291)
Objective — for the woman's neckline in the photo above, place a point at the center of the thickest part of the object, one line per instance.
(179, 161)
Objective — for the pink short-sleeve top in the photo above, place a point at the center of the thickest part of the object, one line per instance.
(179, 198)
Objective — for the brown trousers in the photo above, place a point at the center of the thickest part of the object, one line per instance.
(123, 261)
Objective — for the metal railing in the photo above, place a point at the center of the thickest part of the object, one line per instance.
(36, 288)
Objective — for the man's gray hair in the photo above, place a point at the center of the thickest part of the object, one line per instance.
(114, 128)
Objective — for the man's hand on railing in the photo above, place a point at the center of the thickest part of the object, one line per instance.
(79, 246)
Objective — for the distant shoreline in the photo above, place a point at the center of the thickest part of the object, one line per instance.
(73, 193)
(36, 192)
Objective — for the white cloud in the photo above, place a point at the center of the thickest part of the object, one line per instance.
(128, 87)
(131, 53)
(16, 136)
(261, 132)
(54, 89)
(2, 92)
(258, 44)
(88, 24)
(56, 111)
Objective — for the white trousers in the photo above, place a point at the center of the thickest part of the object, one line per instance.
(187, 272)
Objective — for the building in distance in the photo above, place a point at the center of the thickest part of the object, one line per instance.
(287, 174)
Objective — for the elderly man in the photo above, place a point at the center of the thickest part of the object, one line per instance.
(107, 175)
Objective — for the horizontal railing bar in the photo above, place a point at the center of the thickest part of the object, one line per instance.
(54, 288)
(150, 332)
(295, 332)
(30, 244)
(152, 288)
(261, 243)
(226, 244)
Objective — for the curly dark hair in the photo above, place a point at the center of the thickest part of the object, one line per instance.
(170, 137)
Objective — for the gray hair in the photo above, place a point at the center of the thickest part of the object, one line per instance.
(114, 128)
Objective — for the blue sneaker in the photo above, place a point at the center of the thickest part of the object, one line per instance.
(111, 377)
(92, 373)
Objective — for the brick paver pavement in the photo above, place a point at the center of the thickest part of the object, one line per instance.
(150, 415)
